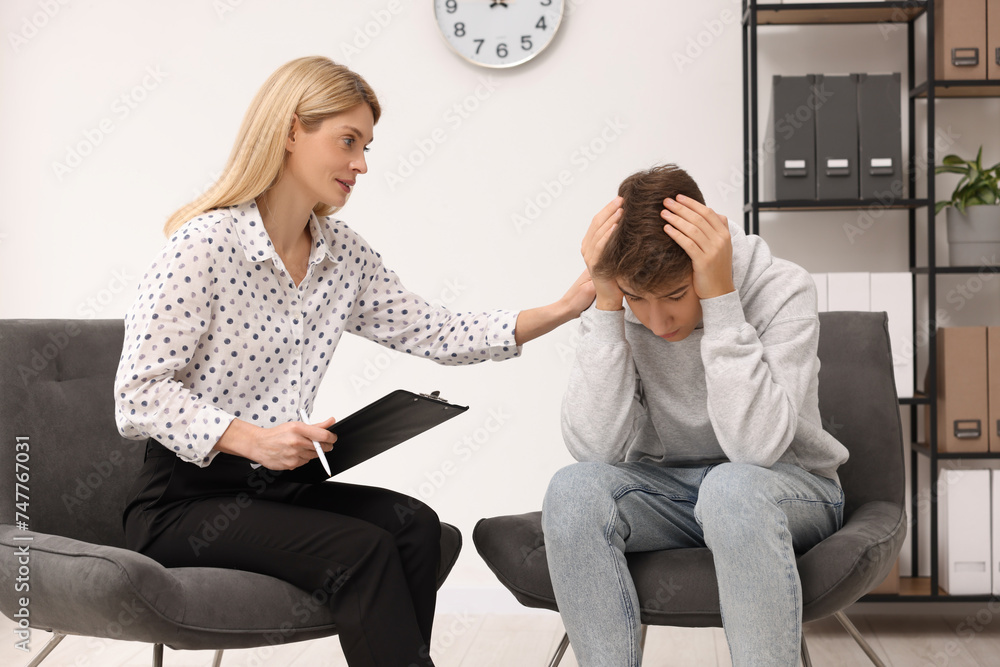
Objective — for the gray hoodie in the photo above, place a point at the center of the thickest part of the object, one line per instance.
(742, 387)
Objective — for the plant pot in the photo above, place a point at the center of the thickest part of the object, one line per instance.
(974, 237)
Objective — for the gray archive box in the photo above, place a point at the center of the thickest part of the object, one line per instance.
(836, 137)
(880, 136)
(791, 126)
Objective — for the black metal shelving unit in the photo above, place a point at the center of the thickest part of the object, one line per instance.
(757, 15)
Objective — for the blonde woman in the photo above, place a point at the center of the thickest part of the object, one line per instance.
(233, 329)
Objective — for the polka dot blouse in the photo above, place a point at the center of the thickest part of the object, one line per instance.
(220, 330)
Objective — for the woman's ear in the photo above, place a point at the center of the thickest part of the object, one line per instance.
(293, 128)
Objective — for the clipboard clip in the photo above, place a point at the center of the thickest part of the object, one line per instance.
(435, 396)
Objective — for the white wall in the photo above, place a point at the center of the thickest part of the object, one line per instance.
(638, 82)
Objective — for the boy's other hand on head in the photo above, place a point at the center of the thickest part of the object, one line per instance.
(704, 236)
(604, 224)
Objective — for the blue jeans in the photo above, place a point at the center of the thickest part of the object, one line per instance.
(755, 520)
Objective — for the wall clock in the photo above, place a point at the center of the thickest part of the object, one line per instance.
(498, 33)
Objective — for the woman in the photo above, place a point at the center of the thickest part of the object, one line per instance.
(233, 330)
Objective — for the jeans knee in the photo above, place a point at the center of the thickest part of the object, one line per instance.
(730, 496)
(575, 497)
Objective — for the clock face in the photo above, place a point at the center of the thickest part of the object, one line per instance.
(498, 33)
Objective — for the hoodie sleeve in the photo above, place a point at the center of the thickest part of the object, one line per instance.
(602, 409)
(757, 384)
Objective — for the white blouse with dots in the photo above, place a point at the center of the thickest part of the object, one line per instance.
(220, 330)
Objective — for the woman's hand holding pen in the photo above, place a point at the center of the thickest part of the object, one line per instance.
(283, 447)
(609, 296)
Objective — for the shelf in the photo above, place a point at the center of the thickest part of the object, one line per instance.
(922, 448)
(833, 205)
(838, 13)
(923, 270)
(959, 88)
(918, 589)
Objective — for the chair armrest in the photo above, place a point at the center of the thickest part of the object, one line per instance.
(843, 567)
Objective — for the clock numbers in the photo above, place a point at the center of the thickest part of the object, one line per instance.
(500, 33)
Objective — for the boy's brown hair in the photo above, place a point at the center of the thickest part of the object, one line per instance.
(640, 252)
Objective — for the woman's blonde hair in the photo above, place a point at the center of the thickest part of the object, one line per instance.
(313, 88)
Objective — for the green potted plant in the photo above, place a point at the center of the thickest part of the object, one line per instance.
(973, 216)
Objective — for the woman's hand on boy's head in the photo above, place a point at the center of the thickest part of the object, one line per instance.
(704, 236)
(604, 224)
(580, 295)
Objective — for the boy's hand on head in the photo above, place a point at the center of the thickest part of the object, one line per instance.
(609, 296)
(704, 236)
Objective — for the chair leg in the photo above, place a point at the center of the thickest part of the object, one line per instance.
(853, 631)
(217, 660)
(49, 645)
(806, 662)
(157, 655)
(560, 651)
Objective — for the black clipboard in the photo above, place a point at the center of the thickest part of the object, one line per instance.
(375, 428)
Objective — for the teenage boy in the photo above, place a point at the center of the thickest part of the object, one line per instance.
(692, 409)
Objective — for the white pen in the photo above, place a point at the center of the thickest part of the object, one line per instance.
(319, 449)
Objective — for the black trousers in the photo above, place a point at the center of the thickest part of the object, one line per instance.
(374, 552)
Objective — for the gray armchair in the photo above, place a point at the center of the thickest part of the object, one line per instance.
(66, 541)
(858, 404)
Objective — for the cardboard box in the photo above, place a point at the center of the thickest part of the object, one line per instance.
(962, 404)
(960, 39)
(993, 386)
(993, 39)
(964, 543)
